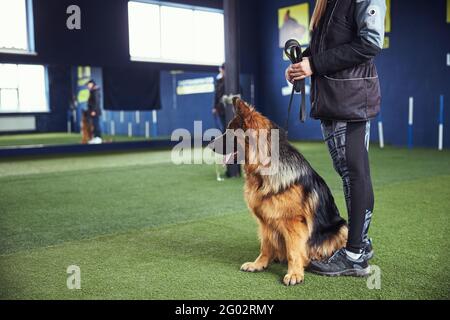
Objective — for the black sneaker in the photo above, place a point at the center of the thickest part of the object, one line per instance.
(340, 264)
(367, 251)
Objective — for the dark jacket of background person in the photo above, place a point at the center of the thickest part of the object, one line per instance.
(345, 82)
(219, 92)
(94, 101)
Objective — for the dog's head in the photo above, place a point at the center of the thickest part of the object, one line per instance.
(239, 142)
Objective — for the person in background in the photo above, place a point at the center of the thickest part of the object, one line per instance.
(218, 112)
(72, 113)
(219, 91)
(94, 111)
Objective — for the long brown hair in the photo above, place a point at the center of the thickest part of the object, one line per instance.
(319, 10)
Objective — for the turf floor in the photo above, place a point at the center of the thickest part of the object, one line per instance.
(140, 227)
(54, 138)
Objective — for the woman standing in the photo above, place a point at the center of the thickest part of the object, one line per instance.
(345, 95)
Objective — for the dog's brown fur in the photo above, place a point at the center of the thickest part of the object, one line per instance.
(285, 217)
(87, 128)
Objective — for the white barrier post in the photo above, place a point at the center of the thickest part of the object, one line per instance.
(138, 117)
(113, 128)
(441, 123)
(130, 129)
(410, 122)
(147, 129)
(154, 123)
(380, 132)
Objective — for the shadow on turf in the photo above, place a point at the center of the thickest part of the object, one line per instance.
(232, 246)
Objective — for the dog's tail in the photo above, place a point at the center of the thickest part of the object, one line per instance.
(329, 232)
(330, 245)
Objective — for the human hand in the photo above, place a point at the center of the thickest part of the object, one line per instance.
(299, 71)
(93, 114)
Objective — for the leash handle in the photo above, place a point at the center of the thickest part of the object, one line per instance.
(293, 51)
(296, 57)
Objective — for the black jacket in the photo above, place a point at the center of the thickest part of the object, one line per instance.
(219, 91)
(345, 82)
(94, 101)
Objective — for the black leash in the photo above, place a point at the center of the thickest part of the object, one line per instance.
(293, 51)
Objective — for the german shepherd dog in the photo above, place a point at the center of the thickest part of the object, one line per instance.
(87, 128)
(297, 216)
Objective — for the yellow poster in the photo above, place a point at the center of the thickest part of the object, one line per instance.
(386, 43)
(387, 22)
(293, 23)
(448, 11)
(84, 75)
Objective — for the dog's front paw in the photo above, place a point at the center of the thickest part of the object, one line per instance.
(252, 267)
(291, 279)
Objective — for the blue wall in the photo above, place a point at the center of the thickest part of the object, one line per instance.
(179, 111)
(414, 65)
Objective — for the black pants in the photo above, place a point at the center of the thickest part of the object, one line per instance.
(221, 122)
(348, 144)
(96, 124)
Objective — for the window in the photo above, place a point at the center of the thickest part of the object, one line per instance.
(175, 34)
(15, 26)
(144, 25)
(23, 88)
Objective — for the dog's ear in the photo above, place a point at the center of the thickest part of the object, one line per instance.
(236, 101)
(241, 107)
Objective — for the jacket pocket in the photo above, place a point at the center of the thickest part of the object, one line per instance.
(373, 97)
(349, 95)
(351, 99)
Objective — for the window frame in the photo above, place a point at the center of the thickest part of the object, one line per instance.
(165, 60)
(46, 93)
(30, 33)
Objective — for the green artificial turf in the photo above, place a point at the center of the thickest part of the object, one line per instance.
(140, 227)
(54, 138)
